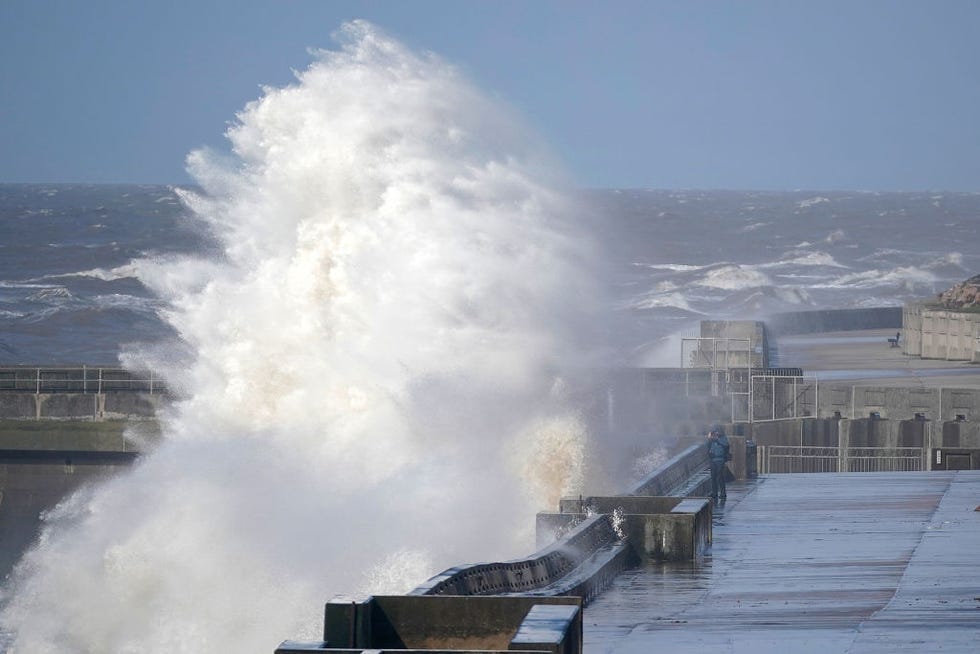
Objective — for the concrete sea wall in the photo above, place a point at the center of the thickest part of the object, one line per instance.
(111, 405)
(43, 461)
(937, 333)
(833, 320)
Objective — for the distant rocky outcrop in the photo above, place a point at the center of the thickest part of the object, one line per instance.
(965, 295)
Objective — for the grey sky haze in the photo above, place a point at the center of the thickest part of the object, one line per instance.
(862, 94)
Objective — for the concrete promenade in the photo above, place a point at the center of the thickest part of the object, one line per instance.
(821, 563)
(875, 562)
(865, 356)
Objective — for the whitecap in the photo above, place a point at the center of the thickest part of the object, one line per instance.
(675, 267)
(113, 274)
(835, 236)
(810, 202)
(662, 300)
(733, 277)
(953, 259)
(809, 259)
(909, 277)
(52, 293)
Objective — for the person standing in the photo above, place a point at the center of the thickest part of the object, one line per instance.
(718, 455)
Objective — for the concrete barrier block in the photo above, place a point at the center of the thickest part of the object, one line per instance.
(551, 628)
(339, 622)
(128, 404)
(440, 622)
(18, 406)
(681, 535)
(68, 405)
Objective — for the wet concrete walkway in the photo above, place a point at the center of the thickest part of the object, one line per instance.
(860, 562)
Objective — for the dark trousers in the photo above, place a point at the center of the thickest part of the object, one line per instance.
(718, 479)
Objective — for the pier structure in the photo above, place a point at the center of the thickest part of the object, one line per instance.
(850, 526)
(880, 561)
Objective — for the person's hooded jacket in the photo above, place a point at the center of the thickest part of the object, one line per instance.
(718, 447)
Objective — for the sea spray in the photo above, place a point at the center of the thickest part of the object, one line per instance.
(367, 373)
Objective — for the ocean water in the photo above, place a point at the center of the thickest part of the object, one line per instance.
(378, 310)
(70, 291)
(686, 255)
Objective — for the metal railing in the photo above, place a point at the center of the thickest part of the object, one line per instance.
(774, 459)
(37, 380)
(782, 397)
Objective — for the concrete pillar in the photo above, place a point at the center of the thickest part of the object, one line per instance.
(844, 428)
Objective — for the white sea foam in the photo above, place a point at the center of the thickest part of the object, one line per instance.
(58, 294)
(374, 373)
(951, 260)
(835, 236)
(810, 202)
(112, 274)
(805, 258)
(676, 267)
(908, 277)
(733, 277)
(660, 301)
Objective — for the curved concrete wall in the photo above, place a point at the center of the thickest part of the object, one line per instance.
(551, 571)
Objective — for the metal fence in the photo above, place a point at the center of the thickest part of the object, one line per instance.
(781, 397)
(774, 459)
(38, 380)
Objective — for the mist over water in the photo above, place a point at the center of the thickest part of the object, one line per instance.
(372, 375)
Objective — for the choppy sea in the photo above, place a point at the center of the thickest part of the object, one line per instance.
(69, 292)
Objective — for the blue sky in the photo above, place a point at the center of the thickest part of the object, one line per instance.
(861, 94)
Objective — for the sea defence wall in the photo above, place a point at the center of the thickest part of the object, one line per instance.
(833, 320)
(514, 605)
(957, 437)
(933, 332)
(433, 623)
(899, 402)
(61, 428)
(41, 462)
(117, 405)
(79, 393)
(788, 397)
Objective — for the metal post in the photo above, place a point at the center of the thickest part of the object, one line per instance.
(794, 397)
(37, 389)
(773, 402)
(100, 381)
